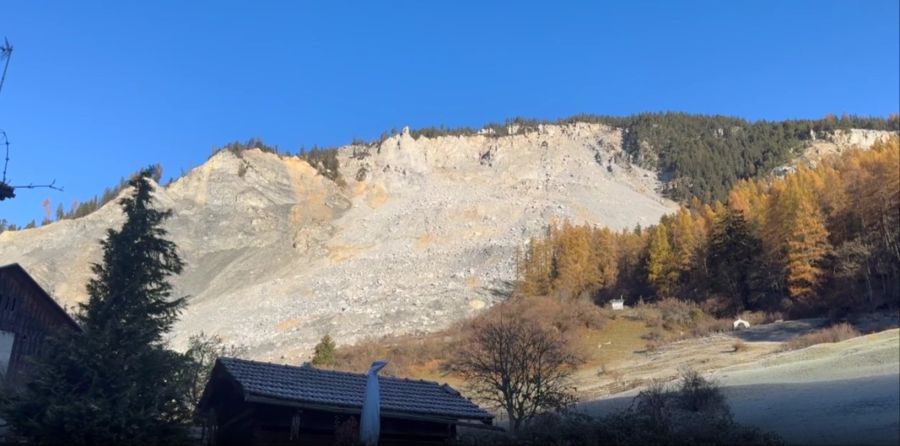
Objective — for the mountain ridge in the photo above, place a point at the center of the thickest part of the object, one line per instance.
(422, 233)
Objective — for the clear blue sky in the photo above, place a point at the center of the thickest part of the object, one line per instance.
(97, 90)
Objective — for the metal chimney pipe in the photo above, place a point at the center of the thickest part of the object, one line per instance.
(370, 419)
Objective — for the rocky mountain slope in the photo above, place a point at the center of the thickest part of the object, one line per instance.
(819, 149)
(423, 233)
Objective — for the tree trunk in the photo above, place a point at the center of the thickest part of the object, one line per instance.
(514, 422)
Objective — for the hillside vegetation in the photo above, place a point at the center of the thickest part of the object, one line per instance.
(817, 241)
(427, 238)
(704, 156)
(699, 156)
(826, 238)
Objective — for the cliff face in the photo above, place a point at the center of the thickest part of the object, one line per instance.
(840, 141)
(423, 233)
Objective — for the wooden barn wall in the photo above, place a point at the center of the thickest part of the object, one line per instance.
(25, 312)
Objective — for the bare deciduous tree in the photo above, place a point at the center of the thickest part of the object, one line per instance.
(202, 352)
(519, 366)
(7, 190)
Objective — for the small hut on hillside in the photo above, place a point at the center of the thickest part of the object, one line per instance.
(257, 403)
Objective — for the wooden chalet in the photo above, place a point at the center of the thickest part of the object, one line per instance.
(256, 403)
(27, 316)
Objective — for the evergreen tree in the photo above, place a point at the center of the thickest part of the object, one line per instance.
(734, 261)
(116, 383)
(324, 352)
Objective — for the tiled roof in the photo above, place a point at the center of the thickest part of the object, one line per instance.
(314, 386)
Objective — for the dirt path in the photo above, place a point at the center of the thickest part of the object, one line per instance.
(779, 331)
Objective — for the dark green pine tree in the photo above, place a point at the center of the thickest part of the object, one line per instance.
(735, 263)
(117, 383)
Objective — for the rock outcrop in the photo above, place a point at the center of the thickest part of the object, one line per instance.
(839, 142)
(423, 233)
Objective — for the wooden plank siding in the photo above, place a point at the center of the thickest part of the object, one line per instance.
(30, 314)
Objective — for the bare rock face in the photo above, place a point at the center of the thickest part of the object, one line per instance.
(839, 142)
(423, 233)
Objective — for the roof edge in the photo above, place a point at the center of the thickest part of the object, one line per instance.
(445, 386)
(249, 396)
(18, 268)
(257, 398)
(219, 368)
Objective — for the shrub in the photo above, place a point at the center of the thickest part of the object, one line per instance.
(835, 333)
(679, 318)
(678, 313)
(654, 345)
(558, 428)
(410, 353)
(692, 413)
(361, 174)
(238, 148)
(652, 403)
(325, 161)
(681, 314)
(760, 317)
(710, 326)
(564, 316)
(655, 335)
(649, 313)
(403, 353)
(324, 352)
(695, 412)
(697, 394)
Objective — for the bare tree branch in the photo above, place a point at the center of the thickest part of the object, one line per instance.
(518, 365)
(5, 53)
(7, 190)
(6, 158)
(51, 185)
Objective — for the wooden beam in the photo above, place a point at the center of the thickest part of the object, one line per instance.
(349, 410)
(489, 427)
